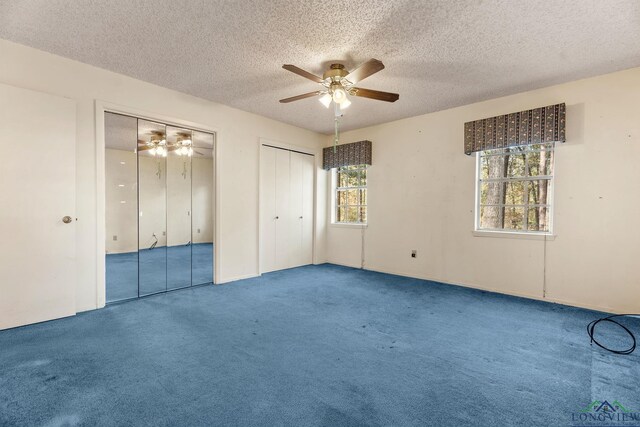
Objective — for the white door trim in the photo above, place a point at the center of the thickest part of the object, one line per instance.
(100, 108)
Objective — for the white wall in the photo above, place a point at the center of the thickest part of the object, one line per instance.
(238, 136)
(421, 196)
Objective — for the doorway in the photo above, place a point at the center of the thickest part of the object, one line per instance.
(159, 207)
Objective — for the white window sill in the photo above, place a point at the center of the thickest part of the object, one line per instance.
(514, 235)
(347, 225)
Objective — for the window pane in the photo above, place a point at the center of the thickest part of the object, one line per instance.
(363, 214)
(340, 214)
(540, 163)
(352, 197)
(538, 219)
(342, 197)
(363, 177)
(495, 167)
(363, 197)
(352, 179)
(514, 194)
(515, 163)
(491, 217)
(352, 214)
(539, 192)
(491, 193)
(514, 218)
(342, 179)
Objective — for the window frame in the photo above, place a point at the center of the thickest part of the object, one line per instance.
(505, 232)
(334, 195)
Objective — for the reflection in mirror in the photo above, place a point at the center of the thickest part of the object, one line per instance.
(202, 207)
(178, 207)
(121, 201)
(152, 219)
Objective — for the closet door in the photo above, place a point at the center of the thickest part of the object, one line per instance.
(295, 209)
(283, 214)
(268, 208)
(301, 229)
(307, 174)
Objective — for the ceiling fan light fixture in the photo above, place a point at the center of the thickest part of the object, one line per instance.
(345, 104)
(325, 100)
(339, 94)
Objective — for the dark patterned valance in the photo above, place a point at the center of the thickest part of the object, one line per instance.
(545, 124)
(356, 153)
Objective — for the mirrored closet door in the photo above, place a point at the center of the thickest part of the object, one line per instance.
(159, 207)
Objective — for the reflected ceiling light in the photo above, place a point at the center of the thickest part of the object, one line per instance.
(120, 185)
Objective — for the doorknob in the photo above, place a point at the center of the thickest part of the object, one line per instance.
(300, 217)
(66, 219)
(277, 217)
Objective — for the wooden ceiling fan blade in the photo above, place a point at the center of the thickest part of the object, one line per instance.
(375, 94)
(301, 72)
(367, 69)
(303, 96)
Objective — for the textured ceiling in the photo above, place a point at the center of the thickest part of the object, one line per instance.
(438, 54)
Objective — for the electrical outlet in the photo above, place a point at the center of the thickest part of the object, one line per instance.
(414, 253)
(198, 231)
(164, 233)
(115, 238)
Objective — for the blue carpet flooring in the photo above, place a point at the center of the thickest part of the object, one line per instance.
(316, 345)
(160, 269)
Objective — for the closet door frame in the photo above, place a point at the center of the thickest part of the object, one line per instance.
(102, 107)
(299, 149)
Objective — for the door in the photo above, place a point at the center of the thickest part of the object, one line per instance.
(268, 208)
(37, 207)
(308, 172)
(301, 207)
(283, 214)
(295, 207)
(152, 206)
(286, 208)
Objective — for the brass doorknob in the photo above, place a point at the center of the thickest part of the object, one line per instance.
(66, 219)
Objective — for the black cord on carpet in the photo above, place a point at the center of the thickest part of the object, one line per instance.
(591, 327)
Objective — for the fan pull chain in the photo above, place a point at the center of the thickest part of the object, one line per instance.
(337, 134)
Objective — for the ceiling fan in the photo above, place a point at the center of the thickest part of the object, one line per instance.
(337, 83)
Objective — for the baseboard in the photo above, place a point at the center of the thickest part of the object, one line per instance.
(355, 266)
(236, 278)
(495, 290)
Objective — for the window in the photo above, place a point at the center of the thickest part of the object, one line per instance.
(514, 189)
(351, 194)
